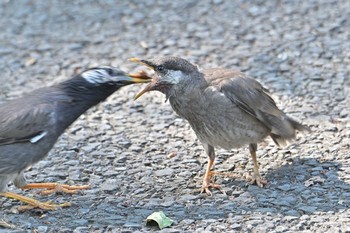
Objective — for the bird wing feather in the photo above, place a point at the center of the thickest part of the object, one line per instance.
(20, 123)
(246, 93)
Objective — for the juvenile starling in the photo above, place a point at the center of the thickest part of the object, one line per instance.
(225, 108)
(30, 126)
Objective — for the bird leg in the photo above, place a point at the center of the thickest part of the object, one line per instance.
(207, 176)
(256, 175)
(207, 179)
(33, 203)
(55, 187)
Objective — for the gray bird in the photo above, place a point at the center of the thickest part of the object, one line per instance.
(30, 126)
(225, 108)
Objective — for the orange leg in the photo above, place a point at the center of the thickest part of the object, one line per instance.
(207, 180)
(55, 187)
(33, 203)
(256, 175)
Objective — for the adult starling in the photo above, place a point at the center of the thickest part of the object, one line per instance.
(30, 126)
(225, 108)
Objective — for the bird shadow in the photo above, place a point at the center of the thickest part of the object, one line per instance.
(304, 186)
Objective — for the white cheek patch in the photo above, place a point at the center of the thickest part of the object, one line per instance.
(96, 76)
(174, 76)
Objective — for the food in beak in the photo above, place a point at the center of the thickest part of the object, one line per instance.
(140, 77)
(152, 84)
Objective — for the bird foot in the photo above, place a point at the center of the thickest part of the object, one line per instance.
(32, 203)
(208, 192)
(55, 187)
(256, 179)
(5, 224)
(207, 184)
(43, 205)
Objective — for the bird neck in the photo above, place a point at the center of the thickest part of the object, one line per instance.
(80, 97)
(79, 90)
(195, 81)
(185, 99)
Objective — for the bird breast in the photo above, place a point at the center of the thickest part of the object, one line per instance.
(216, 120)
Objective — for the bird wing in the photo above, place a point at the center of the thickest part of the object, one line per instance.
(246, 93)
(20, 122)
(250, 96)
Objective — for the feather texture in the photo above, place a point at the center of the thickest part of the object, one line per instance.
(30, 126)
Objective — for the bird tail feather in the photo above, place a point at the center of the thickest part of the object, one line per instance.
(283, 128)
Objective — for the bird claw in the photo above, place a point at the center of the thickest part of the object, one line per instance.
(56, 187)
(256, 179)
(43, 205)
(205, 188)
(62, 189)
(5, 224)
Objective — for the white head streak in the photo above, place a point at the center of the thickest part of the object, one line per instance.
(96, 76)
(99, 75)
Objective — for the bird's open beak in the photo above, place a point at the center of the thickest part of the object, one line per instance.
(143, 62)
(152, 84)
(140, 77)
(148, 88)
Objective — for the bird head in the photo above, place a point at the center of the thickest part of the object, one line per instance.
(170, 71)
(108, 75)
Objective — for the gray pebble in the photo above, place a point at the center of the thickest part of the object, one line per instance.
(42, 229)
(110, 185)
(164, 172)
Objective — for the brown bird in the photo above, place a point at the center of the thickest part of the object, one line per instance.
(224, 107)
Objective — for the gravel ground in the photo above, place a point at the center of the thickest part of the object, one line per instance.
(299, 50)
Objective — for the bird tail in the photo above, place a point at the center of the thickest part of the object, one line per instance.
(283, 128)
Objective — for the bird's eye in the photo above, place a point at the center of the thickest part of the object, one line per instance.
(160, 68)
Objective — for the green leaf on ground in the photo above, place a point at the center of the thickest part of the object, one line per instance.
(160, 218)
